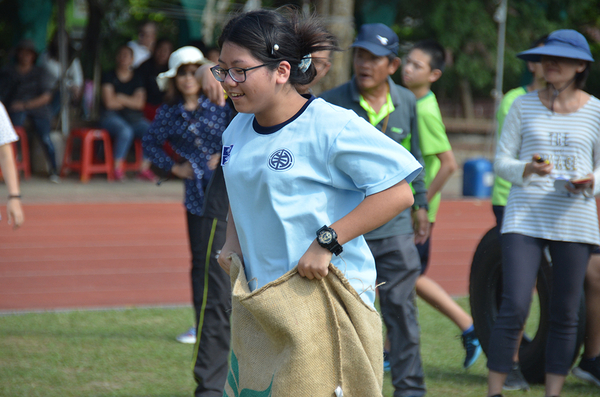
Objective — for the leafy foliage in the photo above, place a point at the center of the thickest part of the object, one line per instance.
(468, 30)
(120, 22)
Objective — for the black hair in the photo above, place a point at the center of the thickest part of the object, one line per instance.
(435, 51)
(21, 48)
(581, 78)
(163, 40)
(539, 41)
(199, 44)
(212, 48)
(147, 22)
(124, 45)
(272, 38)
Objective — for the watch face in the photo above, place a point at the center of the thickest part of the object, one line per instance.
(325, 237)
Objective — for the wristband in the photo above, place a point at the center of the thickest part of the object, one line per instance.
(418, 207)
(14, 196)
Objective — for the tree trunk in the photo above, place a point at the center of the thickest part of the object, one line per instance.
(339, 19)
(208, 22)
(93, 42)
(467, 99)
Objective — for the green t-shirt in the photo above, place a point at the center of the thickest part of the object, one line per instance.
(502, 186)
(433, 141)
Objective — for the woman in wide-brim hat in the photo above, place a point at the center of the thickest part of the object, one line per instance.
(193, 126)
(549, 149)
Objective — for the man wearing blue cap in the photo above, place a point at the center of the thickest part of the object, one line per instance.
(373, 95)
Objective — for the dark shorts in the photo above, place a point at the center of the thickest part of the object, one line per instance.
(499, 214)
(424, 251)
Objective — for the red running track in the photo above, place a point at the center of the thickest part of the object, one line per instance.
(72, 256)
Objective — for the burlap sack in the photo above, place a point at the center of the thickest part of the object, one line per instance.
(297, 337)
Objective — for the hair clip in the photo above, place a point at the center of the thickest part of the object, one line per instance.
(305, 63)
(275, 48)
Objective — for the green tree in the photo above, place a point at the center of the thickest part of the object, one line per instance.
(468, 31)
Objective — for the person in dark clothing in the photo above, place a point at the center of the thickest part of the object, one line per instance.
(27, 92)
(193, 126)
(123, 98)
(148, 71)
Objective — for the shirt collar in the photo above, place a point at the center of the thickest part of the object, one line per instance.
(393, 92)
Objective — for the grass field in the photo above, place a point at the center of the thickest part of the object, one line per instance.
(133, 353)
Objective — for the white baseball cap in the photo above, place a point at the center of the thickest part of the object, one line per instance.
(183, 56)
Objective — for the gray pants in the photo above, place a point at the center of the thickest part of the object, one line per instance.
(398, 266)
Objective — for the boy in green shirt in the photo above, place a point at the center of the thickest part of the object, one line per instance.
(424, 66)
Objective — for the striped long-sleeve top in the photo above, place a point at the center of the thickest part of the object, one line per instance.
(540, 206)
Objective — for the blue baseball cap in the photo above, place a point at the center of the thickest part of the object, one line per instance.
(565, 43)
(378, 39)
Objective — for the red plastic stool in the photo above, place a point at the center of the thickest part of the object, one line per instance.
(88, 163)
(22, 157)
(139, 157)
(150, 111)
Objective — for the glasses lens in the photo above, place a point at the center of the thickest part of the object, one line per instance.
(238, 75)
(219, 73)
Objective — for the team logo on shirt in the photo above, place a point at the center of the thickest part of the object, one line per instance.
(281, 160)
(226, 154)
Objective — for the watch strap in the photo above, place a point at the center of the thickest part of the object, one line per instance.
(333, 245)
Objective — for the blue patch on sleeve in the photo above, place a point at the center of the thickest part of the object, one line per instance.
(226, 154)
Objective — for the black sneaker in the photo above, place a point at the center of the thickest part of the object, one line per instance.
(515, 379)
(588, 370)
(472, 348)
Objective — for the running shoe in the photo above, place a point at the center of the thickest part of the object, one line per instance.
(119, 175)
(147, 175)
(54, 178)
(386, 361)
(515, 379)
(588, 370)
(188, 336)
(472, 348)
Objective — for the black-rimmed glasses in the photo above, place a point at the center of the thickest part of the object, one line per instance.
(237, 74)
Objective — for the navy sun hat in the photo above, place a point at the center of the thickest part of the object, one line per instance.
(565, 43)
(378, 39)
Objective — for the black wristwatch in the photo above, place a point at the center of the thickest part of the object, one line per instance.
(327, 238)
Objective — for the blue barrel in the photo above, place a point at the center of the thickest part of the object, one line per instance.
(478, 178)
